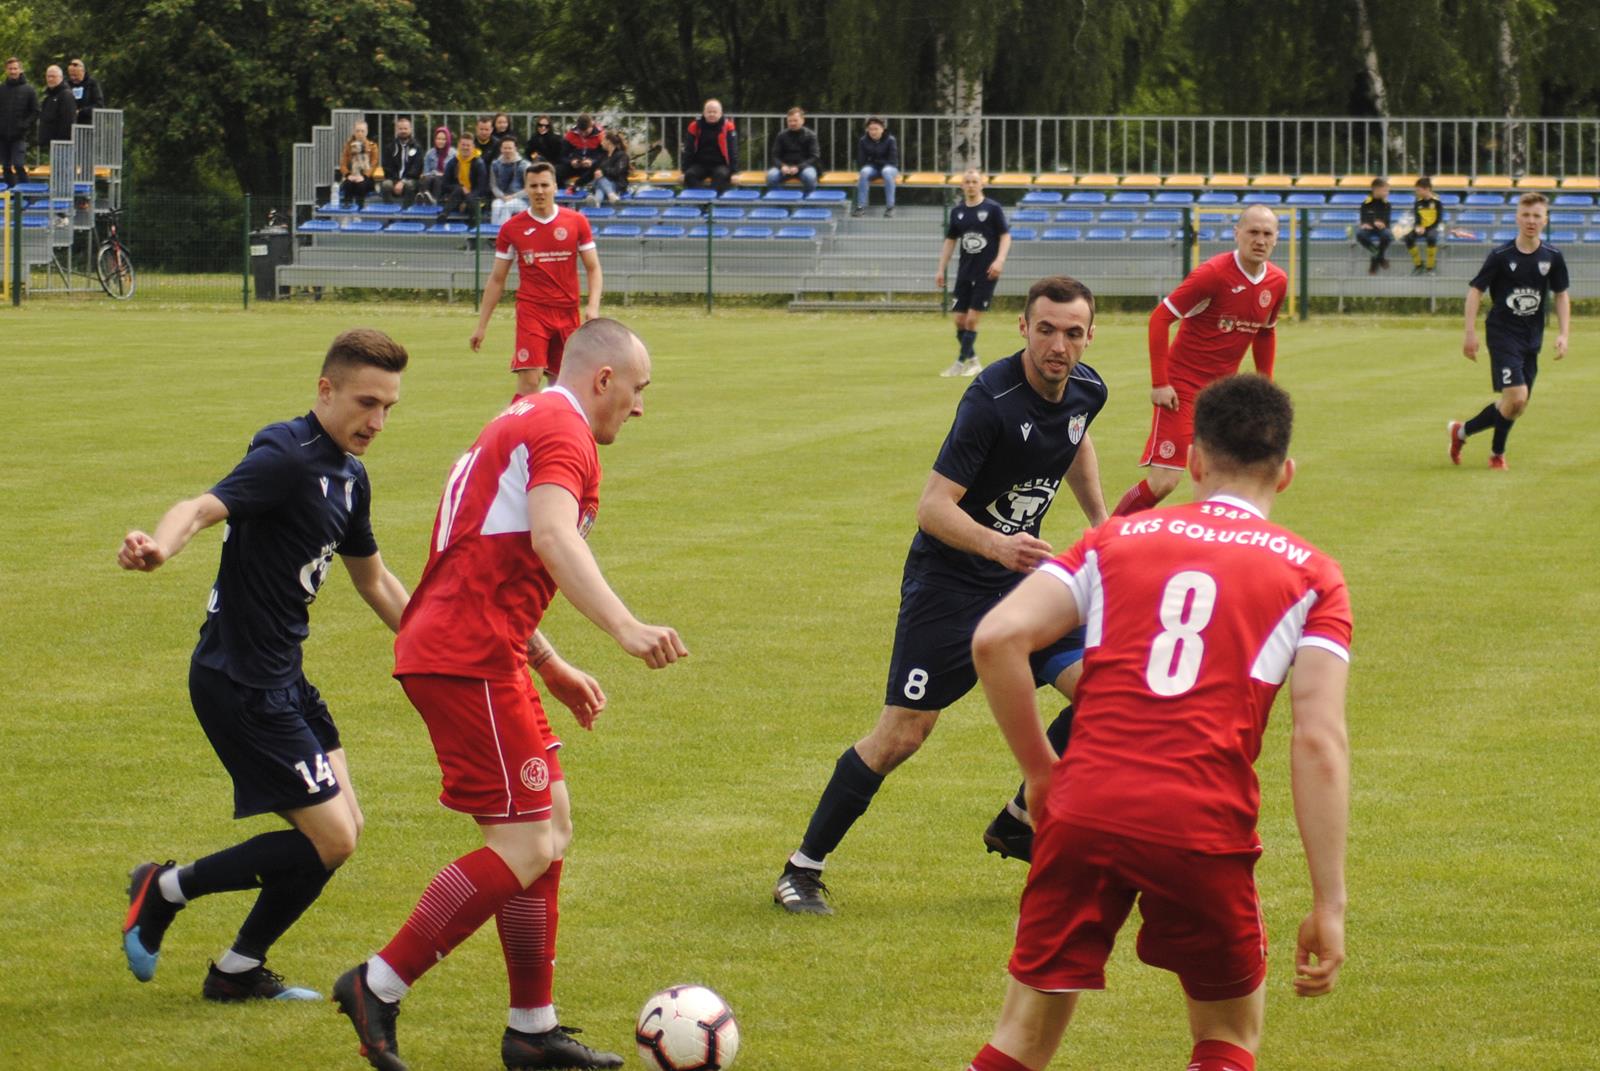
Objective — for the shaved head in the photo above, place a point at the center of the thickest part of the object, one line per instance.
(607, 368)
(601, 341)
(1262, 210)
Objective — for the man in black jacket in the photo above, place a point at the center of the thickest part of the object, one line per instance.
(402, 164)
(85, 90)
(19, 110)
(1373, 232)
(711, 149)
(57, 111)
(795, 153)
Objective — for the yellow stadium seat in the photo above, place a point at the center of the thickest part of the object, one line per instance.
(1492, 182)
(1401, 182)
(1184, 179)
(750, 178)
(1272, 182)
(923, 178)
(1097, 179)
(1536, 182)
(1316, 182)
(1580, 182)
(1011, 178)
(1356, 182)
(955, 179)
(1141, 181)
(1451, 182)
(666, 178)
(1226, 182)
(839, 178)
(1055, 180)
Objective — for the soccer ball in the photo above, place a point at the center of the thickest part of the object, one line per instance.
(687, 1028)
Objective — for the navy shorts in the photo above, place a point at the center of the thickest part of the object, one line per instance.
(274, 742)
(974, 292)
(932, 667)
(1512, 364)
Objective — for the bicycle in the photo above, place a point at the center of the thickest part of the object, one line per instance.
(112, 264)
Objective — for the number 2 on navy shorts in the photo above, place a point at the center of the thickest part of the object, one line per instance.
(1511, 367)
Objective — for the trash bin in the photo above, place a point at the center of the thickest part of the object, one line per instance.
(269, 247)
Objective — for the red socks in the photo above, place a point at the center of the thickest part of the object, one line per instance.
(1220, 1056)
(992, 1059)
(527, 925)
(459, 899)
(1139, 497)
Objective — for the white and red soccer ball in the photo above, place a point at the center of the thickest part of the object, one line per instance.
(687, 1028)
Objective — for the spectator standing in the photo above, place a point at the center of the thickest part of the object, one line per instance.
(796, 155)
(19, 110)
(580, 154)
(85, 90)
(611, 177)
(546, 144)
(436, 165)
(402, 164)
(1373, 232)
(878, 156)
(356, 163)
(57, 110)
(466, 182)
(505, 181)
(711, 150)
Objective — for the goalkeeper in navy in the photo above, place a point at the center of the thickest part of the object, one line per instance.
(1020, 432)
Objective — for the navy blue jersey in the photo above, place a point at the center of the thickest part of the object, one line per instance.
(1516, 283)
(1009, 448)
(294, 501)
(977, 230)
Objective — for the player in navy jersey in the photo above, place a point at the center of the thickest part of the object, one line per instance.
(978, 226)
(1022, 428)
(299, 497)
(1517, 277)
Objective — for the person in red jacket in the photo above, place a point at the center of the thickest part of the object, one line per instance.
(711, 149)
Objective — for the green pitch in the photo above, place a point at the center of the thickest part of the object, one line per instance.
(762, 506)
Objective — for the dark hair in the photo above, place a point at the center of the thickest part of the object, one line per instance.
(1532, 198)
(538, 167)
(499, 116)
(1062, 288)
(1425, 182)
(363, 346)
(545, 119)
(1379, 183)
(509, 136)
(874, 119)
(402, 118)
(1244, 421)
(585, 120)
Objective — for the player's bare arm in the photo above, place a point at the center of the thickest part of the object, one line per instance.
(999, 264)
(553, 528)
(940, 515)
(1083, 476)
(492, 293)
(577, 690)
(591, 271)
(1319, 767)
(1469, 341)
(1563, 322)
(144, 552)
(945, 253)
(1038, 611)
(378, 587)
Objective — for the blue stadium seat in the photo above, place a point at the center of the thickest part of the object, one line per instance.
(797, 232)
(620, 230)
(1130, 197)
(329, 209)
(1568, 217)
(33, 187)
(3, 187)
(1508, 218)
(1305, 197)
(813, 215)
(1402, 198)
(752, 232)
(563, 197)
(1022, 234)
(664, 230)
(1562, 237)
(380, 208)
(315, 226)
(741, 193)
(1448, 198)
(1346, 197)
(1074, 215)
(1591, 236)
(1329, 234)
(419, 211)
(361, 226)
(1031, 215)
(650, 193)
(488, 230)
(832, 197)
(1475, 216)
(1174, 197)
(726, 212)
(1151, 234)
(32, 222)
(1338, 215)
(598, 211)
(1485, 199)
(1086, 197)
(1106, 234)
(1061, 234)
(1261, 197)
(1217, 197)
(1042, 197)
(403, 226)
(783, 196)
(1563, 200)
(640, 212)
(82, 189)
(448, 228)
(1164, 215)
(1206, 234)
(682, 212)
(1501, 237)
(700, 232)
(769, 214)
(698, 193)
(1117, 215)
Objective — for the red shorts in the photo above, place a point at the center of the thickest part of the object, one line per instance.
(1202, 918)
(493, 743)
(1170, 436)
(542, 338)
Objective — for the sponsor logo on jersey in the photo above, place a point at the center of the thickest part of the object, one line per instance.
(536, 775)
(315, 571)
(1523, 301)
(973, 242)
(1544, 267)
(1024, 505)
(1224, 323)
(1076, 427)
(561, 234)
(1238, 289)
(529, 231)
(1027, 429)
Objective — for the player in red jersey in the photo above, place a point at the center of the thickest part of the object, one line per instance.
(511, 528)
(1229, 302)
(1193, 616)
(545, 243)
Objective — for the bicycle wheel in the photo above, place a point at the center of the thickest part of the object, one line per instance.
(115, 269)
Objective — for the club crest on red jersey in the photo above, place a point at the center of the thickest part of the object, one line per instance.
(536, 775)
(561, 234)
(1265, 298)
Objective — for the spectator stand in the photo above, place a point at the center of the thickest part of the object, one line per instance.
(55, 212)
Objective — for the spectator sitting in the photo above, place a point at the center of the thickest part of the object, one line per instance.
(711, 150)
(878, 156)
(499, 127)
(581, 155)
(1373, 232)
(506, 181)
(485, 139)
(466, 182)
(611, 175)
(546, 144)
(436, 164)
(1427, 220)
(356, 162)
(402, 164)
(57, 110)
(85, 90)
(795, 153)
(19, 110)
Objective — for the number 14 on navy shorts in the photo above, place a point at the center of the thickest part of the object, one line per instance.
(932, 667)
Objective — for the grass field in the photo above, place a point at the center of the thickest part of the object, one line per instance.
(763, 506)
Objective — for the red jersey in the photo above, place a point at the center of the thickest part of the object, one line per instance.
(1220, 311)
(546, 252)
(484, 590)
(1192, 618)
